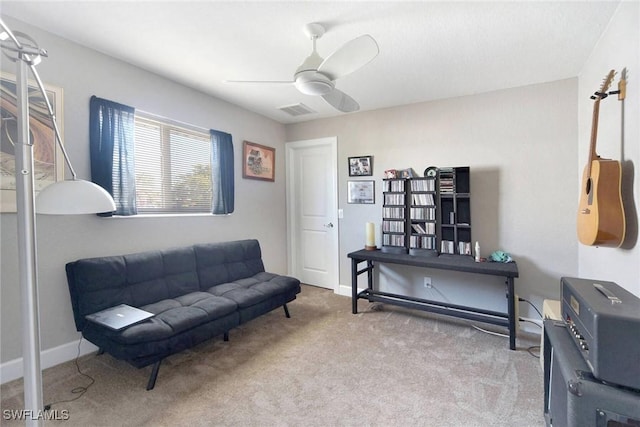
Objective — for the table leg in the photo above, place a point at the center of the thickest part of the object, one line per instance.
(511, 310)
(354, 286)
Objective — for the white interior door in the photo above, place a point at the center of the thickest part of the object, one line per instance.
(312, 201)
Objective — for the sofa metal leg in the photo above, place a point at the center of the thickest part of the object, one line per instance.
(154, 374)
(286, 310)
(226, 336)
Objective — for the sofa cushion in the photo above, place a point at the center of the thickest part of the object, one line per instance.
(154, 276)
(141, 354)
(254, 290)
(219, 263)
(173, 316)
(96, 284)
(135, 279)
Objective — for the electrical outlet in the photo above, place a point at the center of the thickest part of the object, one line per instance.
(427, 282)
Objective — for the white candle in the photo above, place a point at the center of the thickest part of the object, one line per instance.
(371, 235)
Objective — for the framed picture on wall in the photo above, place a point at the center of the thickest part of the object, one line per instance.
(361, 166)
(361, 192)
(48, 161)
(258, 161)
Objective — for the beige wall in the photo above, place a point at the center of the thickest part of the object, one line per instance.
(82, 73)
(618, 138)
(521, 145)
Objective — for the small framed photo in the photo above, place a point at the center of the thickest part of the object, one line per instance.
(361, 166)
(259, 161)
(361, 192)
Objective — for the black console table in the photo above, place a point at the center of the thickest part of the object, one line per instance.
(461, 263)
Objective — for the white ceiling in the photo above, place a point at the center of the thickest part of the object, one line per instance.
(428, 50)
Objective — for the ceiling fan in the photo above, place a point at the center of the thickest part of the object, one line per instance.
(317, 76)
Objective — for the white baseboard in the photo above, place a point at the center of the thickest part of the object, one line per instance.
(344, 290)
(13, 369)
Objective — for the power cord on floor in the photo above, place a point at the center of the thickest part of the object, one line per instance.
(531, 304)
(498, 334)
(529, 350)
(80, 391)
(524, 319)
(532, 348)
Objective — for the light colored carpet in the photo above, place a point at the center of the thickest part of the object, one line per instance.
(324, 366)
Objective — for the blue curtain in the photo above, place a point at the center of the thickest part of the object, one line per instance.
(111, 137)
(222, 177)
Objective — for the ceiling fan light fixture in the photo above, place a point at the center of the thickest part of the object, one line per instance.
(313, 83)
(314, 88)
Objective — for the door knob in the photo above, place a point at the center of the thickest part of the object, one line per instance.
(330, 225)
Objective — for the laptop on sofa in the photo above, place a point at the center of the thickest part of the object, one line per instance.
(119, 317)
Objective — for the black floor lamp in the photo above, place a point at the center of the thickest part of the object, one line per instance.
(67, 197)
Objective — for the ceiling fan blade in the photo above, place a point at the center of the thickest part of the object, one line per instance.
(341, 101)
(351, 56)
(269, 82)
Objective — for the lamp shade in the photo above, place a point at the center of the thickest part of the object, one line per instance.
(74, 197)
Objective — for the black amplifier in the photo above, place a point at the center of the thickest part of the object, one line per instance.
(604, 321)
(572, 396)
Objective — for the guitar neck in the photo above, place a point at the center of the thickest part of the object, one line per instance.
(594, 136)
(602, 93)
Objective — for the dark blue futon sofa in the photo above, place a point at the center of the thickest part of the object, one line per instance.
(195, 293)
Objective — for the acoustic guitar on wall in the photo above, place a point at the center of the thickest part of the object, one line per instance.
(601, 220)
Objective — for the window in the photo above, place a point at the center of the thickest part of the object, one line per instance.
(152, 165)
(172, 167)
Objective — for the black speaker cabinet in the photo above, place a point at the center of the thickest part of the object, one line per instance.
(572, 396)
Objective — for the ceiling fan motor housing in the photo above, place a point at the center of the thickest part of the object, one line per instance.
(313, 83)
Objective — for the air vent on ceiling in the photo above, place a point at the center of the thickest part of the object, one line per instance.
(296, 109)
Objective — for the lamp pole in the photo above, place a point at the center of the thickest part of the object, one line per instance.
(27, 254)
(27, 262)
